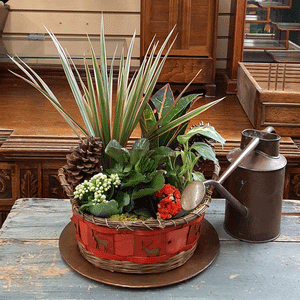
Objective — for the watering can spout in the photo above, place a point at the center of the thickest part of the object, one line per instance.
(240, 208)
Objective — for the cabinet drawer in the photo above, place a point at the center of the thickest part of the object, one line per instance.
(183, 70)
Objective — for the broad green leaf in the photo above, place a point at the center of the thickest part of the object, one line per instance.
(165, 151)
(134, 178)
(205, 151)
(147, 121)
(117, 152)
(143, 212)
(145, 166)
(105, 210)
(156, 184)
(198, 176)
(163, 100)
(207, 131)
(139, 149)
(123, 199)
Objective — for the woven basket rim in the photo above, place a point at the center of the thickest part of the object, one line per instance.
(140, 224)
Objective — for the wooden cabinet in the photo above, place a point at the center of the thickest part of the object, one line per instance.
(262, 31)
(28, 168)
(195, 45)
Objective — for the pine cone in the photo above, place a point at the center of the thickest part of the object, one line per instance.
(84, 161)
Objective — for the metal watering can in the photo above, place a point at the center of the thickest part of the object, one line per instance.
(255, 187)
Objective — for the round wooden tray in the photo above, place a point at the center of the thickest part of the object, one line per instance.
(204, 255)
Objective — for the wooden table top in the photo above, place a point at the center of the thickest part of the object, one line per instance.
(32, 268)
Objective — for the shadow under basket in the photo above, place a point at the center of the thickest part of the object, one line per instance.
(137, 247)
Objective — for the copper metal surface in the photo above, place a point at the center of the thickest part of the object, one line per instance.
(204, 255)
(258, 184)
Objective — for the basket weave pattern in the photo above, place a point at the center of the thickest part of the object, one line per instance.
(151, 246)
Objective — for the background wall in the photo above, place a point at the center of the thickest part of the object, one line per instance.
(77, 18)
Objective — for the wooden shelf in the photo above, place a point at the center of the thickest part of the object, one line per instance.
(283, 4)
(286, 26)
(286, 56)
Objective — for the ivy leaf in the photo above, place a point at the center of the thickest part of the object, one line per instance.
(205, 151)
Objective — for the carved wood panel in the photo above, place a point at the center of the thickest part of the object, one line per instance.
(5, 183)
(29, 183)
(51, 185)
(294, 184)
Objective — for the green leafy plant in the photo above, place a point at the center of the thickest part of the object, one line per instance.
(180, 169)
(164, 117)
(100, 196)
(130, 178)
(138, 169)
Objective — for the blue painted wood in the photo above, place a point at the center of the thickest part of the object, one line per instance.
(31, 266)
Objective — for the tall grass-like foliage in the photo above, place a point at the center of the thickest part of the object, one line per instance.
(94, 95)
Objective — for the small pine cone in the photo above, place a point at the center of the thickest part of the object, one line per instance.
(84, 161)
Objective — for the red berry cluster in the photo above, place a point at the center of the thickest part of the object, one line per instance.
(169, 204)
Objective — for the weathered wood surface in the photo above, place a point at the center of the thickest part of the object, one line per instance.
(31, 266)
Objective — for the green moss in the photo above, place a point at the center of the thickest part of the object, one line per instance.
(128, 217)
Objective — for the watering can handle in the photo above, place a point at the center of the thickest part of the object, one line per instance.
(246, 151)
(269, 129)
(218, 184)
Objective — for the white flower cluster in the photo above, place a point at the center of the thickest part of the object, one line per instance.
(97, 187)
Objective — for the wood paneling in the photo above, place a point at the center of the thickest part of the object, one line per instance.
(121, 19)
(194, 22)
(75, 23)
(195, 45)
(77, 47)
(78, 5)
(180, 69)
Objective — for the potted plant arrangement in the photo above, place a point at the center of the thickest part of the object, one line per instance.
(126, 200)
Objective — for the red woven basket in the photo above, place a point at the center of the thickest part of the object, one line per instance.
(142, 247)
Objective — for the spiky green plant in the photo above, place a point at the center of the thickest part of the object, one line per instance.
(95, 97)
